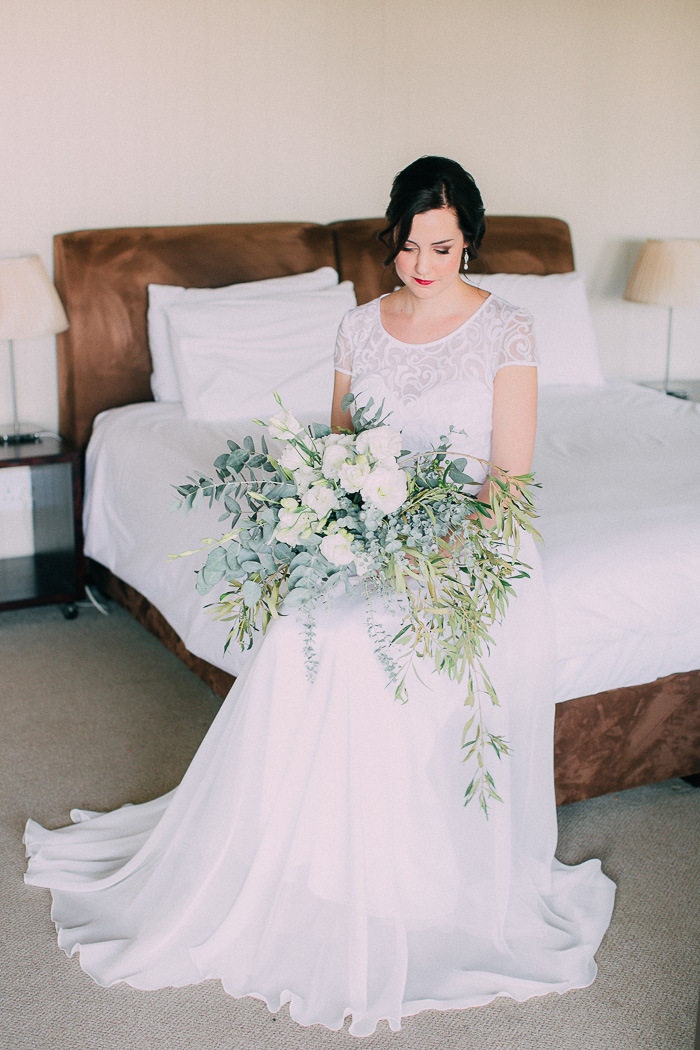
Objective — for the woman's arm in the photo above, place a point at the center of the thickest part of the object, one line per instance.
(514, 418)
(340, 420)
(514, 421)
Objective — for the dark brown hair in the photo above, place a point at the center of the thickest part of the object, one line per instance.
(426, 184)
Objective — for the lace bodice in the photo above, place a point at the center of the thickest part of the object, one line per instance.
(429, 387)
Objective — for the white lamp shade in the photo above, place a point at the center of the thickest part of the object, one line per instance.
(666, 273)
(29, 303)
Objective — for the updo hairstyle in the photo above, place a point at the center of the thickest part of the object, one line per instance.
(426, 184)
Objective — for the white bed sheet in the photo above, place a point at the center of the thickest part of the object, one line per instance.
(620, 517)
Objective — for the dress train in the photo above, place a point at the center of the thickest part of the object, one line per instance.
(317, 851)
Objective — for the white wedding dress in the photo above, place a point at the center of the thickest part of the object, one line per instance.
(317, 851)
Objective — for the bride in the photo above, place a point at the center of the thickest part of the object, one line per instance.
(317, 851)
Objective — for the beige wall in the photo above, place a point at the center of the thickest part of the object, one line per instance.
(129, 112)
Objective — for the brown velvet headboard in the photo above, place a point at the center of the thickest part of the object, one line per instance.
(102, 277)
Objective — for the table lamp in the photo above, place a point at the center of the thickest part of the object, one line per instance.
(666, 273)
(29, 308)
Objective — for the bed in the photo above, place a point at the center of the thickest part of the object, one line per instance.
(619, 465)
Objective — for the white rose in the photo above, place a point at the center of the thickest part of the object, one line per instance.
(336, 547)
(385, 443)
(353, 475)
(283, 425)
(386, 489)
(321, 500)
(333, 457)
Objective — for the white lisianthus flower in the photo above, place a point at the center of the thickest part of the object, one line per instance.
(334, 456)
(294, 523)
(338, 439)
(283, 425)
(384, 443)
(336, 547)
(386, 489)
(304, 477)
(292, 458)
(321, 500)
(352, 475)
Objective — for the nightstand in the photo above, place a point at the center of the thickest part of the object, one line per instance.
(54, 573)
(691, 385)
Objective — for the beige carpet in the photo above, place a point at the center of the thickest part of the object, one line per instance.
(95, 713)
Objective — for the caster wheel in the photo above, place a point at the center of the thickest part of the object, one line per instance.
(70, 612)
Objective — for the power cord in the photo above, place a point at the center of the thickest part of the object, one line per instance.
(94, 601)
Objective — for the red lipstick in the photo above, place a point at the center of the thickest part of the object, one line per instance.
(418, 281)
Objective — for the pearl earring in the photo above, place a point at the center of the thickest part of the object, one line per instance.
(466, 259)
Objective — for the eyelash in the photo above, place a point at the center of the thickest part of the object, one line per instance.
(440, 251)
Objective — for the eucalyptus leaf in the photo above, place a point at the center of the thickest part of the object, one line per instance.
(202, 586)
(459, 477)
(297, 575)
(268, 533)
(232, 554)
(320, 430)
(252, 593)
(237, 460)
(298, 597)
(303, 558)
(268, 563)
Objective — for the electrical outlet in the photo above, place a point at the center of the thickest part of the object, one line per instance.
(16, 529)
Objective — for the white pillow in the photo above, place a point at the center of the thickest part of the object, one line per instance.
(232, 356)
(164, 383)
(564, 334)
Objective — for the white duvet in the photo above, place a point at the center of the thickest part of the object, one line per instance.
(620, 519)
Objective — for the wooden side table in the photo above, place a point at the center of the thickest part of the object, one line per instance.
(54, 573)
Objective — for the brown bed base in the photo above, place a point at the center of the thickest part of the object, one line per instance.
(603, 743)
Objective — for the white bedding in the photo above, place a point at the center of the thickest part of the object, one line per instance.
(620, 517)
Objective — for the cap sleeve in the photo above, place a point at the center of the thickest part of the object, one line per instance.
(517, 347)
(343, 348)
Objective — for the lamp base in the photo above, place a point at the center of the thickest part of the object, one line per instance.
(23, 434)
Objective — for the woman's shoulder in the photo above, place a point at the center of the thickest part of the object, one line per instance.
(506, 312)
(364, 312)
(360, 318)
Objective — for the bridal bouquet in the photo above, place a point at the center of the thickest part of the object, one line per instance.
(322, 509)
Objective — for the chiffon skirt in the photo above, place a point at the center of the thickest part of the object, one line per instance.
(318, 851)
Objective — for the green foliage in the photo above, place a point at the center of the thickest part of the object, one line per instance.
(451, 558)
